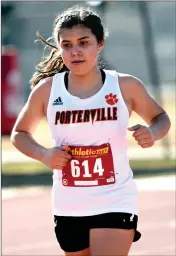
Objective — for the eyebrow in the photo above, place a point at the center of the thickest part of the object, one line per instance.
(81, 38)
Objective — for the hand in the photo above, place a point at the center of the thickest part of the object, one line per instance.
(143, 135)
(55, 158)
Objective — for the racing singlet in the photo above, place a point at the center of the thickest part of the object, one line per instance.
(98, 178)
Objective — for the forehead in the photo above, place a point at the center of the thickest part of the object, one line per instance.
(75, 32)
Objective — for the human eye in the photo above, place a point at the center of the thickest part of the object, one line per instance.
(67, 45)
(83, 43)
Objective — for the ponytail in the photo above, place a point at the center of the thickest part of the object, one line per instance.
(51, 65)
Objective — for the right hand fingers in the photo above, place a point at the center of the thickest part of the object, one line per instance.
(58, 165)
(64, 154)
(61, 164)
(63, 159)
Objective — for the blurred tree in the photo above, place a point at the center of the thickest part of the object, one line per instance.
(6, 10)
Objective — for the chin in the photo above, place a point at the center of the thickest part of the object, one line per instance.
(79, 71)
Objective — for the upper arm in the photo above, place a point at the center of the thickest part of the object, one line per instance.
(33, 111)
(142, 102)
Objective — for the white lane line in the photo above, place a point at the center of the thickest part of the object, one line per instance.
(8, 193)
(139, 253)
(163, 251)
(164, 183)
(22, 248)
(172, 224)
(146, 207)
(157, 225)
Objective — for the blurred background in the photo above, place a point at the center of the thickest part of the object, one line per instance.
(141, 42)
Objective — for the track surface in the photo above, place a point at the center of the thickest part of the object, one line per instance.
(27, 223)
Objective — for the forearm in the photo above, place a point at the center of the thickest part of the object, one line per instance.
(160, 126)
(24, 142)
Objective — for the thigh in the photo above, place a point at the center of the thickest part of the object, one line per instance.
(113, 233)
(108, 241)
(72, 234)
(85, 252)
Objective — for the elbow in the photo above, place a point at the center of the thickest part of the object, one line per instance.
(16, 136)
(13, 137)
(169, 122)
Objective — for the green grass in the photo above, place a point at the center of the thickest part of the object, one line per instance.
(24, 168)
(153, 164)
(37, 168)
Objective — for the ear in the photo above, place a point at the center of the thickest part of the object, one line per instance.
(101, 45)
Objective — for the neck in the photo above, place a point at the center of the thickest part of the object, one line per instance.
(86, 81)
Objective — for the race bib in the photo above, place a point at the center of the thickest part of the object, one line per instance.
(89, 166)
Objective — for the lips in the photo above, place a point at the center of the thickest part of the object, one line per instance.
(77, 61)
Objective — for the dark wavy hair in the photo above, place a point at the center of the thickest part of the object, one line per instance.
(53, 63)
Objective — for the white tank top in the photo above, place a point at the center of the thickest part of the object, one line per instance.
(98, 120)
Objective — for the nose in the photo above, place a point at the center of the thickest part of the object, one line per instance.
(75, 51)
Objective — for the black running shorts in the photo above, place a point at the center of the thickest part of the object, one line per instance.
(72, 233)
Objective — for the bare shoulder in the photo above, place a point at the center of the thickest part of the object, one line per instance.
(43, 87)
(42, 91)
(142, 102)
(130, 85)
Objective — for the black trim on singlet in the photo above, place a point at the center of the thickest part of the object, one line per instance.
(66, 78)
